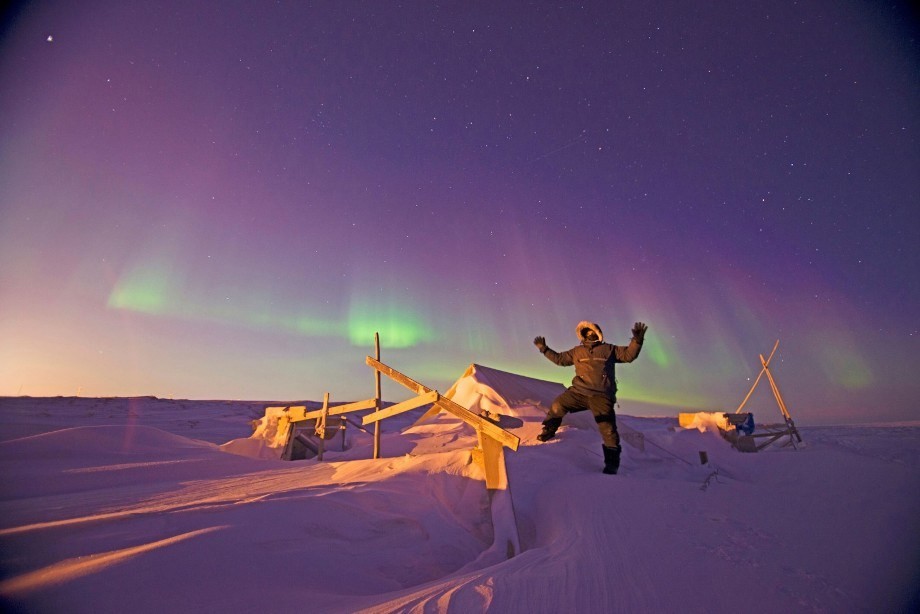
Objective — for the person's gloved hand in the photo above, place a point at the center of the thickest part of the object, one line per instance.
(540, 342)
(638, 331)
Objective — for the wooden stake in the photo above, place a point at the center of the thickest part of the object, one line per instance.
(378, 401)
(321, 427)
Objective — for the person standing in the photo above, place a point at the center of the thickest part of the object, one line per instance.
(594, 386)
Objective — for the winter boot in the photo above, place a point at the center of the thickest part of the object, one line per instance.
(549, 429)
(611, 460)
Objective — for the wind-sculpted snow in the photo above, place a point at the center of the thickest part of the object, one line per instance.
(142, 516)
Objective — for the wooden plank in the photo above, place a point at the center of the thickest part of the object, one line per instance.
(293, 412)
(397, 377)
(393, 410)
(775, 388)
(759, 375)
(793, 432)
(477, 422)
(767, 443)
(350, 407)
(336, 410)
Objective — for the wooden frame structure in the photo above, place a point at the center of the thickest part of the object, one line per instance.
(298, 413)
(488, 455)
(778, 431)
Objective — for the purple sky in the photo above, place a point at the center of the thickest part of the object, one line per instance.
(226, 199)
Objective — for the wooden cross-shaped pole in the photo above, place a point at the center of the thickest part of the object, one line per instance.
(377, 396)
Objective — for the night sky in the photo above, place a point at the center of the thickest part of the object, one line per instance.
(227, 199)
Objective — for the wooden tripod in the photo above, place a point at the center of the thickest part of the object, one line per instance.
(772, 432)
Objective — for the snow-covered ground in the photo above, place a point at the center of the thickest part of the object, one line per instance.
(131, 505)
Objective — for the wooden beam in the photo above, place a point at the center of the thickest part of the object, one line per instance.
(350, 407)
(492, 430)
(396, 376)
(302, 415)
(773, 387)
(793, 432)
(759, 375)
(393, 410)
(477, 422)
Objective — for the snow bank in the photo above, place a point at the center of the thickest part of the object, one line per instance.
(268, 438)
(178, 525)
(267, 429)
(484, 389)
(492, 392)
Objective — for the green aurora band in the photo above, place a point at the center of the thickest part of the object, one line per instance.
(149, 291)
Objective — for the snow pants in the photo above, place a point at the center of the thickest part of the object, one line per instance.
(601, 406)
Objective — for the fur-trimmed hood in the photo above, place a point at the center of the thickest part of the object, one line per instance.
(589, 325)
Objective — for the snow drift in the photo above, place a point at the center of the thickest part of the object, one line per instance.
(114, 505)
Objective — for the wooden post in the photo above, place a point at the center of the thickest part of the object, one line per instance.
(321, 427)
(377, 396)
(491, 457)
(289, 443)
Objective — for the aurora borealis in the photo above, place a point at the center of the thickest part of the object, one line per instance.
(226, 200)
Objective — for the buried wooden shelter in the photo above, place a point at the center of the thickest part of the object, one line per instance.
(296, 423)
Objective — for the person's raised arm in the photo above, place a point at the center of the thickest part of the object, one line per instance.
(563, 359)
(631, 352)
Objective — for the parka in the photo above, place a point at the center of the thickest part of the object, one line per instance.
(594, 361)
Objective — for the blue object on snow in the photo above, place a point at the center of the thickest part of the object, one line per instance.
(747, 427)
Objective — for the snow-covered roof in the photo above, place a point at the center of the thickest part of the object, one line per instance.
(491, 390)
